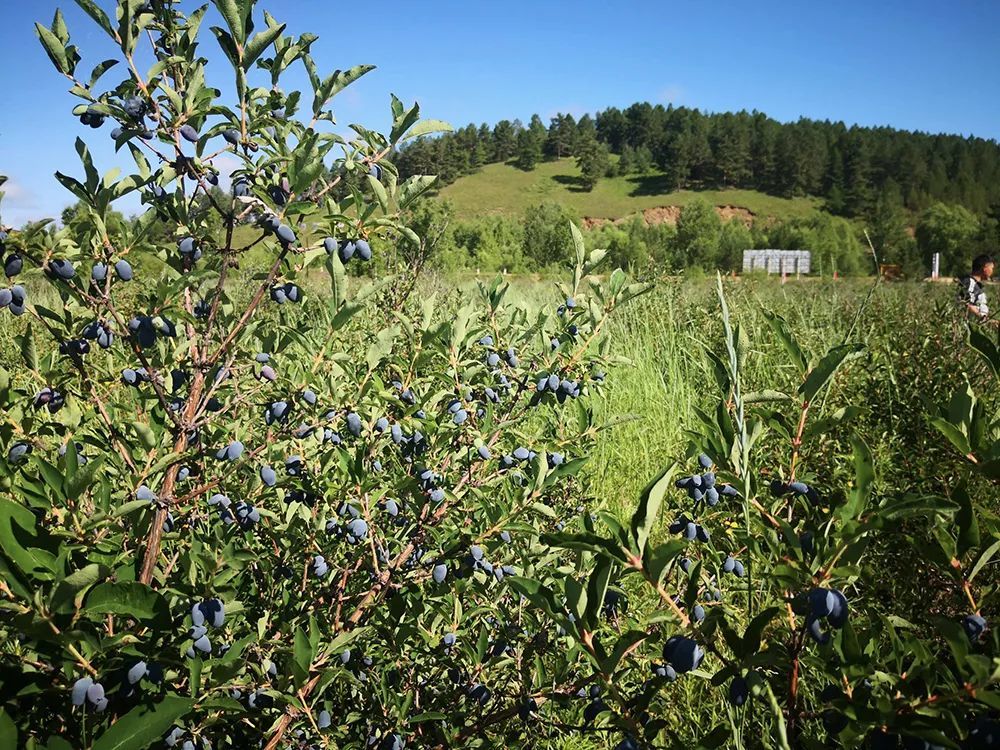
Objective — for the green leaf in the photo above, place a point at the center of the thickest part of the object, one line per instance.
(75, 187)
(984, 558)
(379, 189)
(755, 630)
(100, 69)
(864, 478)
(228, 46)
(126, 25)
(141, 727)
(18, 540)
(341, 641)
(28, 352)
(52, 476)
(53, 47)
(649, 506)
(714, 739)
(8, 731)
(780, 327)
(130, 507)
(576, 598)
(259, 43)
(980, 343)
(426, 716)
(581, 250)
(129, 598)
(338, 280)
(968, 525)
(623, 645)
(413, 187)
(231, 14)
(145, 435)
(303, 655)
(81, 480)
(336, 83)
(70, 590)
(535, 592)
(822, 373)
(597, 587)
(424, 127)
(954, 435)
(93, 10)
(656, 560)
(381, 347)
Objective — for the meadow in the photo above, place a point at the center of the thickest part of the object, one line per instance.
(503, 189)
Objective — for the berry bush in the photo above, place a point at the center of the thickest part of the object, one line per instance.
(284, 508)
(241, 513)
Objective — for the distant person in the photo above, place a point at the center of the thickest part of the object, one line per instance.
(971, 292)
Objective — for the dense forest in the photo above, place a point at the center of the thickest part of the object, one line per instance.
(856, 170)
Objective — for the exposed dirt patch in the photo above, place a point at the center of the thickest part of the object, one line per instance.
(661, 215)
(728, 213)
(591, 222)
(670, 215)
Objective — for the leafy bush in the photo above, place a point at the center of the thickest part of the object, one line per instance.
(761, 589)
(236, 511)
(239, 511)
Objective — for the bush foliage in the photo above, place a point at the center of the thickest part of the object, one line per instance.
(239, 513)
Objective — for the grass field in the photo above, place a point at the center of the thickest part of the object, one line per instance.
(504, 189)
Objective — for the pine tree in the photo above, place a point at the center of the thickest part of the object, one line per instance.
(560, 137)
(626, 162)
(643, 160)
(887, 223)
(612, 128)
(529, 150)
(504, 141)
(730, 143)
(857, 175)
(592, 158)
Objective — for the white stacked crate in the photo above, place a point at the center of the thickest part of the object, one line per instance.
(787, 262)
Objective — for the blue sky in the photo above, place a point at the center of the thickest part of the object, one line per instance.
(918, 65)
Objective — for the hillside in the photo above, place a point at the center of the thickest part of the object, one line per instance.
(504, 189)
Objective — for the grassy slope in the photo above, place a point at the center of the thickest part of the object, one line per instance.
(504, 189)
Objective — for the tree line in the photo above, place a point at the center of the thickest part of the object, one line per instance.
(858, 171)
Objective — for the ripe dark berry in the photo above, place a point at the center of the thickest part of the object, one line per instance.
(821, 602)
(739, 691)
(354, 424)
(682, 653)
(440, 572)
(60, 269)
(974, 625)
(123, 270)
(12, 265)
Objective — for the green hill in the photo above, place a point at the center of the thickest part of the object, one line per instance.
(504, 189)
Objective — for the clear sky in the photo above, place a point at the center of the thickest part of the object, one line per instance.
(916, 64)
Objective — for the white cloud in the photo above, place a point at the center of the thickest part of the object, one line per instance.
(21, 204)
